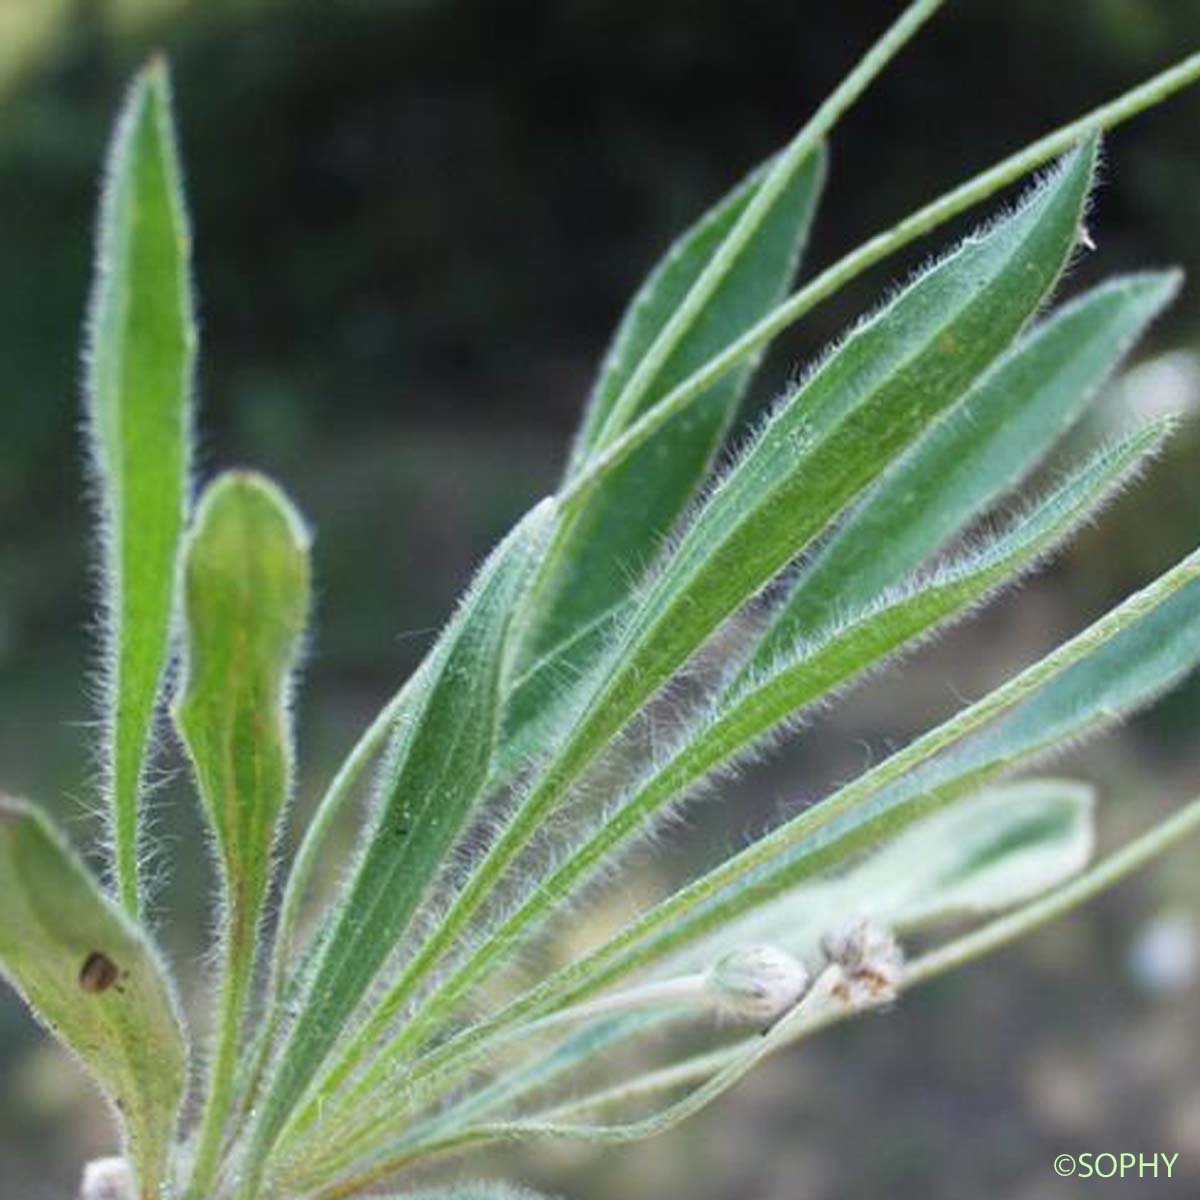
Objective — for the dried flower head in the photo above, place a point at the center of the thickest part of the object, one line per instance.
(871, 961)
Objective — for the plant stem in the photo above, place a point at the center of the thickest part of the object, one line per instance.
(835, 277)
(789, 162)
(237, 973)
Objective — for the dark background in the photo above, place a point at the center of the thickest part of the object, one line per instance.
(415, 225)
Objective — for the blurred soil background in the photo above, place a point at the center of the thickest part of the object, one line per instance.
(415, 226)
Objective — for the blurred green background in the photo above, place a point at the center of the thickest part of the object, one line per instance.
(415, 225)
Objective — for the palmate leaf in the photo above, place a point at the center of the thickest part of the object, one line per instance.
(247, 586)
(825, 443)
(868, 401)
(888, 797)
(981, 451)
(434, 779)
(92, 977)
(806, 675)
(141, 352)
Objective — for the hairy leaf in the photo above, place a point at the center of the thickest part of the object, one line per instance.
(990, 851)
(868, 401)
(804, 676)
(982, 449)
(607, 545)
(141, 350)
(433, 780)
(1124, 671)
(247, 585)
(92, 977)
(829, 440)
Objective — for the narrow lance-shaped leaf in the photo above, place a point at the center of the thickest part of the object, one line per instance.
(428, 789)
(1152, 634)
(986, 853)
(598, 557)
(806, 675)
(980, 451)
(141, 350)
(837, 433)
(1122, 673)
(90, 975)
(868, 402)
(247, 592)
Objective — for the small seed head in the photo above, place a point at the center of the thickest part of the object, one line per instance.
(757, 983)
(871, 961)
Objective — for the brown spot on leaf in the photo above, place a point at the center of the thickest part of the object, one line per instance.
(98, 973)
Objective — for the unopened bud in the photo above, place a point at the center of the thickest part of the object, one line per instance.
(757, 983)
(871, 961)
(107, 1179)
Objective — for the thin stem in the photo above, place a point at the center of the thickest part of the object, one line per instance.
(237, 974)
(835, 277)
(722, 262)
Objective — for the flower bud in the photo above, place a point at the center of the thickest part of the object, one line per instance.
(107, 1179)
(757, 983)
(871, 961)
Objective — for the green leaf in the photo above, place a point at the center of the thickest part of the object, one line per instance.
(247, 594)
(599, 556)
(1122, 673)
(1120, 662)
(805, 676)
(431, 785)
(993, 850)
(829, 440)
(247, 587)
(765, 266)
(860, 410)
(983, 448)
(141, 352)
(549, 694)
(91, 976)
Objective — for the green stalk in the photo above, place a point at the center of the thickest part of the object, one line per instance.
(236, 976)
(878, 248)
(805, 143)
